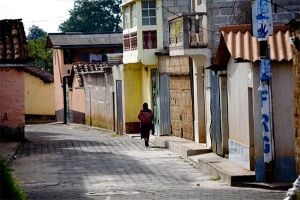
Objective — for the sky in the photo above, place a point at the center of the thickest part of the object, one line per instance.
(46, 14)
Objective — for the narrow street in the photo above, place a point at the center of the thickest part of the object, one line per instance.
(74, 162)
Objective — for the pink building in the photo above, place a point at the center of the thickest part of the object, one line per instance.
(12, 62)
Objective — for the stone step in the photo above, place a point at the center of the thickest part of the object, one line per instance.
(225, 169)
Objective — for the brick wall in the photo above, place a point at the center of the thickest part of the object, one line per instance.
(12, 103)
(296, 61)
(181, 108)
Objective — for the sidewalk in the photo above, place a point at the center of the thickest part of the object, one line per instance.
(204, 159)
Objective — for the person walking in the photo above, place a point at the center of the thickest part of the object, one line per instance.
(146, 117)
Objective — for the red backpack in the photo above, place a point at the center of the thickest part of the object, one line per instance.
(146, 117)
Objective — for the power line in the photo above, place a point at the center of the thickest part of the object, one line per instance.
(232, 12)
(281, 6)
(45, 20)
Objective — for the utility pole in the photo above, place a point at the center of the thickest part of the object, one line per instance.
(262, 29)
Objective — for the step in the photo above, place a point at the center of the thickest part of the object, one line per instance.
(229, 171)
(183, 147)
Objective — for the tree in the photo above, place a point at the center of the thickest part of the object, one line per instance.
(37, 50)
(93, 16)
(35, 32)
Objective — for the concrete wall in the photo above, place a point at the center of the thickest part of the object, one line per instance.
(282, 92)
(77, 103)
(99, 99)
(239, 112)
(39, 96)
(12, 106)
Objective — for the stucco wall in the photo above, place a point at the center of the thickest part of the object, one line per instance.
(282, 96)
(238, 112)
(39, 96)
(59, 71)
(12, 111)
(77, 102)
(99, 100)
(132, 91)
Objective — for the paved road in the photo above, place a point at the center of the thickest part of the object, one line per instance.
(72, 162)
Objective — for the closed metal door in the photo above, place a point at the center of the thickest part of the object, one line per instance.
(165, 121)
(155, 99)
(216, 136)
(119, 107)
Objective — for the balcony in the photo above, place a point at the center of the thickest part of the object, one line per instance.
(188, 35)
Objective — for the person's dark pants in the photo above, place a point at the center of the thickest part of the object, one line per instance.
(145, 132)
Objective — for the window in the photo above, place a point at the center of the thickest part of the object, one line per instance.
(126, 18)
(126, 42)
(149, 12)
(133, 40)
(199, 2)
(149, 40)
(68, 56)
(133, 15)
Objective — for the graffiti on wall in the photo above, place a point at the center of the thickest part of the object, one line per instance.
(5, 117)
(266, 109)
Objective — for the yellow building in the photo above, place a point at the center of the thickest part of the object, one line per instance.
(142, 24)
(39, 95)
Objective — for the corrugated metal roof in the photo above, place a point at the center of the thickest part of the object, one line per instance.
(82, 39)
(242, 46)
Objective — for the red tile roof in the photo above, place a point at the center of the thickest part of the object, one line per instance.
(80, 69)
(13, 45)
(243, 46)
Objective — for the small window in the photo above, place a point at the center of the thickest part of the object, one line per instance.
(149, 40)
(199, 2)
(148, 12)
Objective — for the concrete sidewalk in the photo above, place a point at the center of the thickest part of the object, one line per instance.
(201, 156)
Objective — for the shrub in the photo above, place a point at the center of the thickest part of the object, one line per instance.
(9, 188)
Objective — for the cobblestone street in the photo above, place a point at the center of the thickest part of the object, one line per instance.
(74, 162)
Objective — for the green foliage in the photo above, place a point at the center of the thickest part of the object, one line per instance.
(93, 16)
(35, 33)
(41, 55)
(8, 186)
(215, 178)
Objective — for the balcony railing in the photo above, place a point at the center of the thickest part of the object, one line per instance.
(187, 31)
